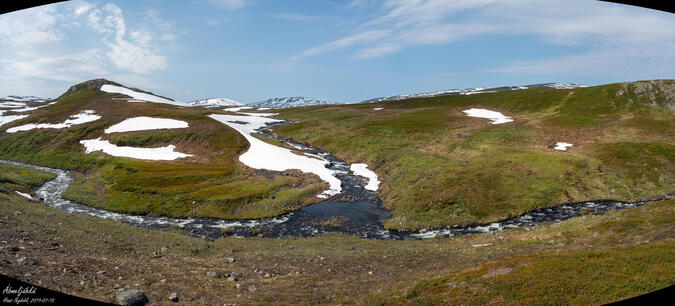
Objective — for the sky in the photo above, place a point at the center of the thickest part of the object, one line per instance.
(339, 51)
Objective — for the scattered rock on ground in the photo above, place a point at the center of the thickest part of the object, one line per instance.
(214, 274)
(173, 297)
(132, 297)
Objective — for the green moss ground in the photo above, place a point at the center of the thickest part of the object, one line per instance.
(211, 184)
(584, 260)
(439, 167)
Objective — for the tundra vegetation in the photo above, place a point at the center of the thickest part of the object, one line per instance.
(440, 168)
(584, 260)
(437, 167)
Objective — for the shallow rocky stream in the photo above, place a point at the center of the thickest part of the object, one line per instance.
(355, 211)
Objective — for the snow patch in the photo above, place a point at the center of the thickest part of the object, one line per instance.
(495, 117)
(25, 195)
(565, 85)
(236, 109)
(138, 96)
(378, 108)
(262, 155)
(12, 104)
(362, 170)
(162, 153)
(562, 146)
(259, 114)
(146, 123)
(83, 117)
(9, 118)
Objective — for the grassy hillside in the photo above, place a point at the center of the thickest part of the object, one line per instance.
(584, 260)
(213, 183)
(442, 168)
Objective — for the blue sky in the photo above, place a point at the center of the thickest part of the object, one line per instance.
(328, 49)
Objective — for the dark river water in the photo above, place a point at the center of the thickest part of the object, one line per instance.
(355, 211)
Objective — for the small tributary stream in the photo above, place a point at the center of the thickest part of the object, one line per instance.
(355, 211)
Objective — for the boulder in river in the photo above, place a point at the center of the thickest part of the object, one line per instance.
(132, 297)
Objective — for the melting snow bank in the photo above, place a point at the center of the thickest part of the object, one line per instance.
(262, 155)
(25, 195)
(83, 117)
(495, 117)
(362, 170)
(146, 123)
(12, 104)
(562, 146)
(236, 109)
(163, 153)
(9, 118)
(138, 96)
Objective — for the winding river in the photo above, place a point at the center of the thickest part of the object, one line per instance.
(355, 211)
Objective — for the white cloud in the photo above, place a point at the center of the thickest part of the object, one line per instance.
(27, 27)
(137, 55)
(134, 58)
(607, 30)
(62, 68)
(82, 7)
(41, 44)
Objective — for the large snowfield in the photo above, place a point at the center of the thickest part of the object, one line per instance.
(146, 123)
(162, 153)
(138, 96)
(262, 155)
(83, 117)
(495, 117)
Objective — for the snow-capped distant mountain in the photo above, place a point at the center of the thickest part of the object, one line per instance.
(289, 102)
(471, 91)
(23, 99)
(215, 102)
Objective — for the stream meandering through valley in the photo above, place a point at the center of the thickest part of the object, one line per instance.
(355, 210)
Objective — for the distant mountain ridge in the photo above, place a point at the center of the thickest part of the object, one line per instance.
(470, 91)
(287, 102)
(215, 102)
(23, 99)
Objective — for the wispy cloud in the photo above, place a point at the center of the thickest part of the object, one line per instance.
(227, 4)
(604, 28)
(299, 17)
(363, 37)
